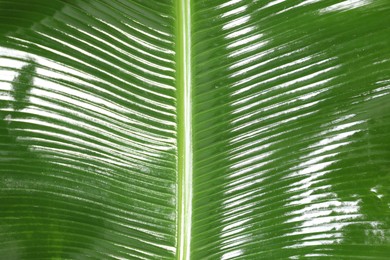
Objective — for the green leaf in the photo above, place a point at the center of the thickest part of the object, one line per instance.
(191, 129)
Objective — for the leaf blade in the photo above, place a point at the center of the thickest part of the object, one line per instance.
(94, 169)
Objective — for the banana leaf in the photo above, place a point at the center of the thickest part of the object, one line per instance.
(194, 129)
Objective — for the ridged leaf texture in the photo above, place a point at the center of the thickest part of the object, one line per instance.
(193, 129)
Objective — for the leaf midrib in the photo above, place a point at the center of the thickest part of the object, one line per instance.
(184, 137)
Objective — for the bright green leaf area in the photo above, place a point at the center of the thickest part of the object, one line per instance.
(194, 129)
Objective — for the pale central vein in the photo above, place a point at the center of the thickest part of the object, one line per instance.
(183, 67)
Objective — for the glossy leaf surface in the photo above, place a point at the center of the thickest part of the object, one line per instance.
(288, 131)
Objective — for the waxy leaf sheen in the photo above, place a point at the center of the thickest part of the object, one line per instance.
(194, 129)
